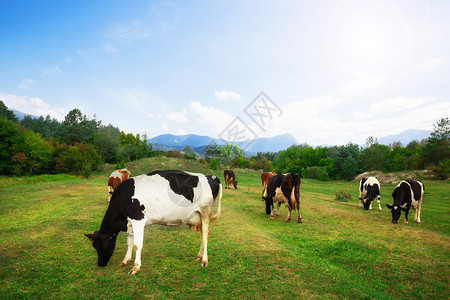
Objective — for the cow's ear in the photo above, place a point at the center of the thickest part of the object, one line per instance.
(91, 236)
(389, 206)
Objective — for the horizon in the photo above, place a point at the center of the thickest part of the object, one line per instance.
(328, 72)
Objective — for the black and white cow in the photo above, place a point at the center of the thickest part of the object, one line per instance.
(283, 188)
(369, 189)
(161, 197)
(406, 194)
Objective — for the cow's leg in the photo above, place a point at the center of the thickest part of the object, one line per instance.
(271, 212)
(278, 209)
(289, 216)
(379, 203)
(138, 229)
(406, 216)
(299, 215)
(203, 253)
(370, 205)
(130, 242)
(417, 212)
(419, 208)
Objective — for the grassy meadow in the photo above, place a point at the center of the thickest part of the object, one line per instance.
(338, 252)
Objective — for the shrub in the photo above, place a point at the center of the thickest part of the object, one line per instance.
(173, 153)
(317, 173)
(343, 196)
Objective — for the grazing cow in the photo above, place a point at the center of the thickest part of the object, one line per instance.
(406, 194)
(161, 197)
(229, 178)
(369, 189)
(284, 188)
(115, 179)
(265, 177)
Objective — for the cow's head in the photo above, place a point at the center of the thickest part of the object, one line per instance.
(104, 244)
(366, 202)
(269, 204)
(235, 184)
(396, 211)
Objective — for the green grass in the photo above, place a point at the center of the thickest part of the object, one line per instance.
(340, 251)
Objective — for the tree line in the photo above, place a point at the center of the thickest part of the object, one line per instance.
(77, 145)
(345, 162)
(80, 145)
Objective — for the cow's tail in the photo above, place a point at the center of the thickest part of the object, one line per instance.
(217, 215)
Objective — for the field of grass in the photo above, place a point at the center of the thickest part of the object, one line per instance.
(339, 251)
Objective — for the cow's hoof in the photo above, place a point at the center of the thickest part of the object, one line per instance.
(271, 217)
(204, 263)
(124, 263)
(406, 222)
(288, 220)
(278, 216)
(134, 271)
(300, 221)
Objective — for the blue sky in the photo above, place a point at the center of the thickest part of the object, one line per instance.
(333, 72)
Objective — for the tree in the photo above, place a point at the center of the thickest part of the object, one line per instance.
(107, 142)
(77, 128)
(6, 113)
(189, 153)
(436, 152)
(212, 150)
(11, 143)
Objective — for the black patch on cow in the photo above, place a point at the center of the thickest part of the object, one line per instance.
(416, 188)
(372, 191)
(361, 187)
(214, 184)
(180, 182)
(134, 209)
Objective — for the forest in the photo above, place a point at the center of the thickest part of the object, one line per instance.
(79, 145)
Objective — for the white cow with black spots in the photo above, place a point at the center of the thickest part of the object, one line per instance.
(161, 197)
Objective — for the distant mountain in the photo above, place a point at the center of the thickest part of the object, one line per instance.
(405, 137)
(21, 115)
(198, 143)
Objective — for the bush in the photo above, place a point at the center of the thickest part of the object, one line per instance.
(173, 153)
(213, 164)
(343, 196)
(317, 173)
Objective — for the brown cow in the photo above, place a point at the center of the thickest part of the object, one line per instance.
(115, 179)
(265, 177)
(284, 188)
(230, 178)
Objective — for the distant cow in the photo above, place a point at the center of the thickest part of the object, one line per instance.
(116, 178)
(406, 194)
(265, 177)
(229, 178)
(369, 189)
(284, 188)
(160, 197)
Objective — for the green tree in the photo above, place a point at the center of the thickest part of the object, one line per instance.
(77, 128)
(437, 149)
(6, 113)
(11, 143)
(107, 142)
(38, 153)
(189, 153)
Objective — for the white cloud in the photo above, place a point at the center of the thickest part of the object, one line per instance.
(164, 127)
(110, 48)
(177, 116)
(26, 83)
(227, 95)
(32, 106)
(55, 70)
(216, 119)
(129, 33)
(399, 104)
(430, 65)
